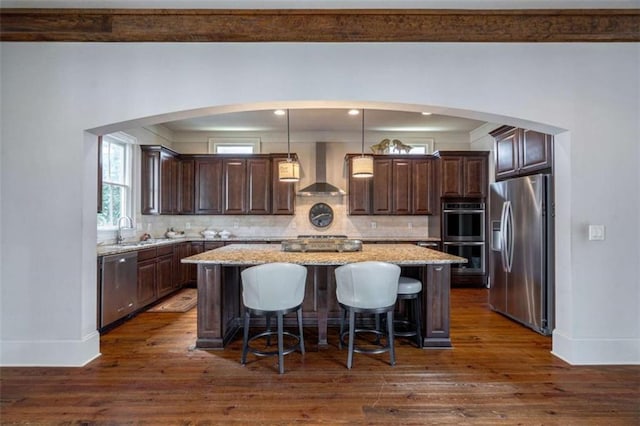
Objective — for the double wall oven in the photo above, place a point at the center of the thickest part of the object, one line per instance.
(463, 234)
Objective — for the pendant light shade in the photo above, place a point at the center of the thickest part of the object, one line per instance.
(362, 167)
(289, 170)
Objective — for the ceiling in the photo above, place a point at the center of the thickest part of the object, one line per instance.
(324, 120)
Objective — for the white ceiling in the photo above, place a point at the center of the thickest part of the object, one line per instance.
(324, 120)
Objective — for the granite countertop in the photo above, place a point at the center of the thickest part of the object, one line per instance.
(107, 249)
(253, 254)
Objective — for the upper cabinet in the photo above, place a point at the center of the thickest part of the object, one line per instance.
(213, 184)
(463, 174)
(401, 185)
(520, 152)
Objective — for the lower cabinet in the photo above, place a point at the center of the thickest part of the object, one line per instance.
(155, 274)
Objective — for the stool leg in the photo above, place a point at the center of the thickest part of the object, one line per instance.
(352, 327)
(418, 317)
(377, 341)
(300, 331)
(280, 344)
(268, 329)
(245, 338)
(392, 351)
(343, 314)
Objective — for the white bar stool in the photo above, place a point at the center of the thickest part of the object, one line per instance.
(367, 287)
(273, 289)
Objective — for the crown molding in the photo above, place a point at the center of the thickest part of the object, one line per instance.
(320, 25)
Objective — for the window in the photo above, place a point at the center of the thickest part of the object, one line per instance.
(116, 179)
(419, 146)
(234, 145)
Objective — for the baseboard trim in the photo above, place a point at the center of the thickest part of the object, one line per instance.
(50, 353)
(596, 351)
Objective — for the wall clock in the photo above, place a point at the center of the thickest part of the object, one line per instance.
(321, 215)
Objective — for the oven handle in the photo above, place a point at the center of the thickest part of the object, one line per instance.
(463, 211)
(464, 243)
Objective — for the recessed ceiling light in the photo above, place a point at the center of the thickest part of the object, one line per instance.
(354, 111)
(426, 113)
(279, 112)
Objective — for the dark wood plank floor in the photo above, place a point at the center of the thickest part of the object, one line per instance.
(497, 373)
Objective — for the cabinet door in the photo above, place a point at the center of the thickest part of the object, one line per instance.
(180, 270)
(423, 187)
(208, 186)
(146, 282)
(149, 182)
(283, 193)
(186, 186)
(164, 275)
(359, 195)
(235, 184)
(506, 155)
(168, 184)
(258, 188)
(536, 151)
(401, 189)
(475, 177)
(452, 179)
(382, 186)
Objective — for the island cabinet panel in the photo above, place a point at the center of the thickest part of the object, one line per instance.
(520, 152)
(463, 174)
(436, 309)
(208, 185)
(186, 186)
(283, 194)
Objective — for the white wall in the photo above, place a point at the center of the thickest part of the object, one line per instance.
(52, 92)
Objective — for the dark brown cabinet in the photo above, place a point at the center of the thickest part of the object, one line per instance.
(208, 185)
(186, 186)
(247, 185)
(463, 174)
(155, 274)
(213, 184)
(520, 152)
(401, 185)
(283, 194)
(160, 180)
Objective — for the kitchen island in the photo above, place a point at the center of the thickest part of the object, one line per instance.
(219, 286)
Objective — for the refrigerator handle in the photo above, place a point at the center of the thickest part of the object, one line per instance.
(503, 235)
(511, 236)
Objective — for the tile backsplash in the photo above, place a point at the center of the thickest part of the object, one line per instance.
(414, 227)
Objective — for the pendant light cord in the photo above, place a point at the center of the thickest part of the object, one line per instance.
(362, 150)
(288, 138)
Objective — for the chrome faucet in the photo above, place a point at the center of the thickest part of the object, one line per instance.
(119, 238)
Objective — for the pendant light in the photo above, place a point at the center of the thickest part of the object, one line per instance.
(362, 167)
(289, 170)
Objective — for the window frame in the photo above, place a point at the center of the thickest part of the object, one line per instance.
(126, 141)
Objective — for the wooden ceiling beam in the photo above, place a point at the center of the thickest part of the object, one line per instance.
(319, 25)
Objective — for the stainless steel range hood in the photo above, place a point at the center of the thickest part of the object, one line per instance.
(321, 187)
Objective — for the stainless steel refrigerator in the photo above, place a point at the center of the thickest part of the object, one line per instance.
(521, 284)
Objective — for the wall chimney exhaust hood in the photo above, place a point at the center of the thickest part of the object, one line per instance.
(321, 187)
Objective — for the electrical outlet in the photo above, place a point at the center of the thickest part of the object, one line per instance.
(596, 232)
(374, 225)
(187, 225)
(410, 225)
(236, 224)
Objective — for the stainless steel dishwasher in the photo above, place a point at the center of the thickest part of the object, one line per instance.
(118, 287)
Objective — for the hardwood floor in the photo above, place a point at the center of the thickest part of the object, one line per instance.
(497, 373)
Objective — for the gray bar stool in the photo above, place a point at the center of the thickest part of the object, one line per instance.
(410, 289)
(268, 290)
(367, 288)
